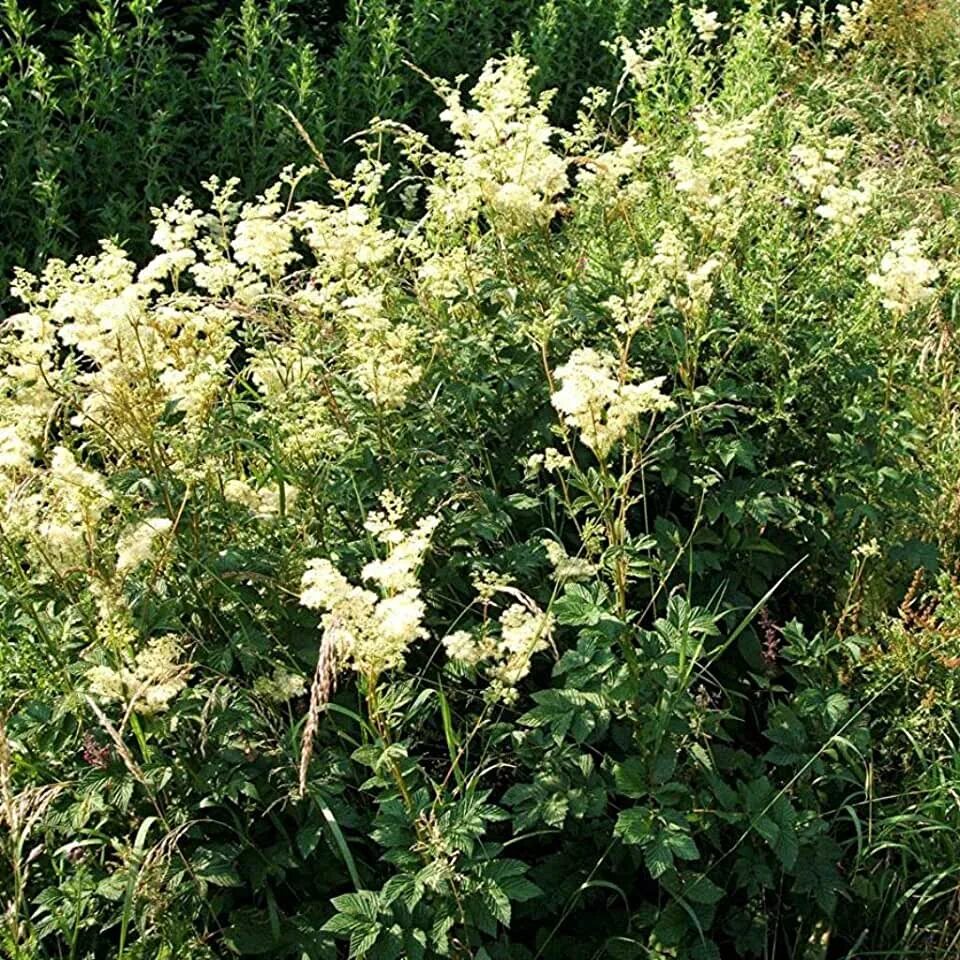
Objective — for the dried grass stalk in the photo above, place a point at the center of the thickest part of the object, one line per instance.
(323, 687)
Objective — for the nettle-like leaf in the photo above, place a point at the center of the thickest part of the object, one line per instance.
(358, 918)
(701, 889)
(778, 826)
(407, 887)
(635, 825)
(585, 665)
(818, 874)
(582, 605)
(218, 864)
(683, 622)
(663, 838)
(631, 777)
(564, 712)
(508, 878)
(463, 823)
(789, 735)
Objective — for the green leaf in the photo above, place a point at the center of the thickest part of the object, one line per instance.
(682, 844)
(580, 606)
(631, 777)
(658, 857)
(217, 865)
(566, 711)
(634, 826)
(703, 890)
(778, 828)
(363, 903)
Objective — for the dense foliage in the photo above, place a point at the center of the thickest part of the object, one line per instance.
(110, 107)
(529, 541)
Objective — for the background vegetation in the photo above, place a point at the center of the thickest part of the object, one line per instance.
(530, 530)
(109, 108)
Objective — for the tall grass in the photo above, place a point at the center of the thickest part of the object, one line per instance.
(109, 107)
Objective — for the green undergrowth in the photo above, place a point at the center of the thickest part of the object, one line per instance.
(533, 540)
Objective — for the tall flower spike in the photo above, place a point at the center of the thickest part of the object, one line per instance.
(595, 401)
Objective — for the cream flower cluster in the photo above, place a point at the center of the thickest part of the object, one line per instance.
(650, 279)
(905, 277)
(635, 54)
(154, 347)
(711, 184)
(371, 631)
(295, 402)
(854, 22)
(138, 543)
(149, 682)
(814, 168)
(568, 569)
(380, 349)
(551, 460)
(706, 23)
(263, 503)
(505, 647)
(846, 205)
(280, 686)
(59, 513)
(804, 22)
(504, 164)
(600, 402)
(142, 349)
(816, 171)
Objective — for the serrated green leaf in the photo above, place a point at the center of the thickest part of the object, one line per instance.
(634, 825)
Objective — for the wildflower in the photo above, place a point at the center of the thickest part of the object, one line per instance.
(905, 277)
(697, 184)
(323, 586)
(867, 550)
(812, 169)
(106, 683)
(598, 403)
(533, 465)
(568, 569)
(369, 632)
(554, 460)
(699, 288)
(506, 646)
(150, 681)
(95, 754)
(397, 571)
(380, 350)
(488, 583)
(74, 500)
(136, 544)
(636, 62)
(770, 647)
(669, 252)
(723, 140)
(398, 619)
(463, 647)
(263, 238)
(846, 205)
(706, 23)
(445, 275)
(263, 503)
(503, 162)
(854, 23)
(524, 631)
(281, 686)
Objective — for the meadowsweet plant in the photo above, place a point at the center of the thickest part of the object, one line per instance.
(372, 634)
(525, 541)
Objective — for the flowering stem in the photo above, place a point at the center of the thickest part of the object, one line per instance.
(373, 710)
